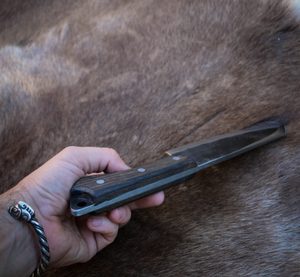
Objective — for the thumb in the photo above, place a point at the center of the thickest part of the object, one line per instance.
(60, 172)
(93, 159)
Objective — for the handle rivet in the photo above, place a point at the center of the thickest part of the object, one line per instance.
(141, 169)
(100, 181)
(176, 158)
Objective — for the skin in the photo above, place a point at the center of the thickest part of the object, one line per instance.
(46, 190)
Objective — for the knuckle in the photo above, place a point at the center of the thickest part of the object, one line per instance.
(112, 152)
(69, 150)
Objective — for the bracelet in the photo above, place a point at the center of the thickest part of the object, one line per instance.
(23, 211)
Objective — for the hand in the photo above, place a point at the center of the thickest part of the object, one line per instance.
(46, 190)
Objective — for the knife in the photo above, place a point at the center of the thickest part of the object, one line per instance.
(103, 192)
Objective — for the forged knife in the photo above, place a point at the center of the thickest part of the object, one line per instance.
(100, 193)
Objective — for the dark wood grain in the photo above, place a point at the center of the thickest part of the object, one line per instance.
(98, 188)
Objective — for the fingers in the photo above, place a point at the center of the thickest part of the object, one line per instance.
(93, 159)
(120, 215)
(149, 201)
(104, 227)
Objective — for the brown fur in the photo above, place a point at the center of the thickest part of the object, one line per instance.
(143, 77)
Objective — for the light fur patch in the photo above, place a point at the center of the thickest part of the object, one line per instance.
(40, 66)
(295, 6)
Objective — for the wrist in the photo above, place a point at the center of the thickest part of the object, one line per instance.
(19, 254)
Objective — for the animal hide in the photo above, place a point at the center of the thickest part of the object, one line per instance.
(146, 76)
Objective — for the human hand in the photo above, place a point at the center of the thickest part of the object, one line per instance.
(46, 190)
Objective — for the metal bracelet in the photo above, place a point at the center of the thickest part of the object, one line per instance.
(23, 211)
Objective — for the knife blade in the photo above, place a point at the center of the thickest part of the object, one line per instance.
(103, 192)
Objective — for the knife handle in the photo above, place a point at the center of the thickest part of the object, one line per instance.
(116, 189)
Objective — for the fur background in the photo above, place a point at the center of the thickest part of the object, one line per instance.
(146, 76)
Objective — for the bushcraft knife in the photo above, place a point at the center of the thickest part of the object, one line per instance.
(103, 192)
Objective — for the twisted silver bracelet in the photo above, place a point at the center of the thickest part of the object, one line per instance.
(23, 211)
